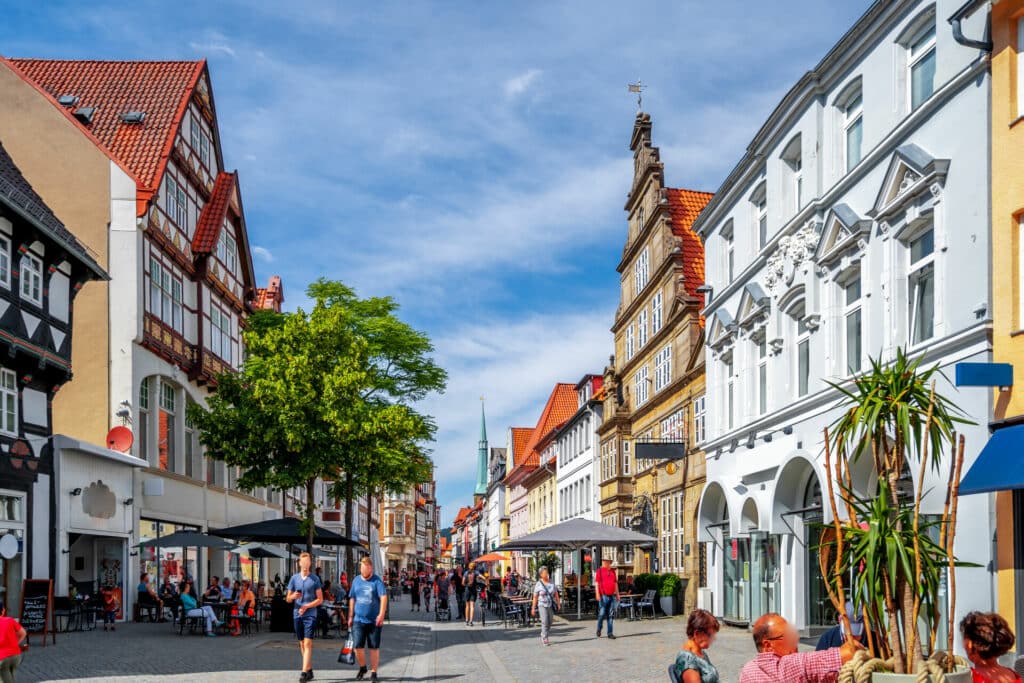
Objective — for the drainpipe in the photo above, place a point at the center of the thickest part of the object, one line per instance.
(958, 35)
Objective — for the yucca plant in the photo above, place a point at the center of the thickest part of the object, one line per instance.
(892, 414)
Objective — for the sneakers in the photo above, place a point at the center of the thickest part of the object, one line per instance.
(306, 676)
(611, 637)
(211, 634)
(373, 675)
(361, 673)
(545, 641)
(598, 633)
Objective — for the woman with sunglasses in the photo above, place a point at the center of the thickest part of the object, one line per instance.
(693, 664)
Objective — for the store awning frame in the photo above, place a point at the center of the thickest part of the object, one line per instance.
(999, 466)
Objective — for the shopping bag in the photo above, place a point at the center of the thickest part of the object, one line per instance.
(348, 653)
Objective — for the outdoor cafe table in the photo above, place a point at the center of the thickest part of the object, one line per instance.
(632, 603)
(524, 602)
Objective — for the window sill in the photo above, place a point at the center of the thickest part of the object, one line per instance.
(1013, 124)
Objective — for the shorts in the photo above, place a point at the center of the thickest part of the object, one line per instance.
(366, 635)
(471, 594)
(305, 625)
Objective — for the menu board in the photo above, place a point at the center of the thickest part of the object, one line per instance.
(37, 607)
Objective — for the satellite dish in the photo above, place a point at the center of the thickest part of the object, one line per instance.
(8, 546)
(120, 439)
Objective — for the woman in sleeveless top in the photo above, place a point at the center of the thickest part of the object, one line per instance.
(987, 637)
(693, 664)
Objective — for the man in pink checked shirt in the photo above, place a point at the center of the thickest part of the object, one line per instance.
(779, 662)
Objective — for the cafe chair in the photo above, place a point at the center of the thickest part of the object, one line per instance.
(646, 601)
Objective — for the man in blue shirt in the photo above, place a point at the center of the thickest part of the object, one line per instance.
(305, 590)
(367, 605)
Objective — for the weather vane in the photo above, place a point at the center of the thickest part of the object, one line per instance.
(638, 88)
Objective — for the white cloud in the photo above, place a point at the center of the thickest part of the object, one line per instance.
(263, 253)
(514, 364)
(214, 41)
(517, 85)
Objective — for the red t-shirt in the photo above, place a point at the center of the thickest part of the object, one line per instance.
(607, 581)
(9, 637)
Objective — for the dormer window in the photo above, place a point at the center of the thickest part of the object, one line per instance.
(921, 66)
(31, 273)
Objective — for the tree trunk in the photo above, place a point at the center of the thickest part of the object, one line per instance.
(349, 488)
(310, 514)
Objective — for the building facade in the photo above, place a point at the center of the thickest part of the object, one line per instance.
(42, 269)
(855, 224)
(169, 228)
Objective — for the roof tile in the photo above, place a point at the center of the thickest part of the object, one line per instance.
(684, 206)
(211, 220)
(160, 89)
(560, 407)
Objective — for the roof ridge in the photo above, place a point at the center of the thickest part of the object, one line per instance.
(106, 61)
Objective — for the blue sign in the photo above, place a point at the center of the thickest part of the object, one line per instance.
(984, 375)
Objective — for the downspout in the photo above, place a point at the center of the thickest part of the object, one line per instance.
(958, 34)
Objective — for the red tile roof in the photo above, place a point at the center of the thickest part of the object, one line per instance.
(211, 220)
(684, 206)
(520, 437)
(461, 516)
(560, 407)
(160, 89)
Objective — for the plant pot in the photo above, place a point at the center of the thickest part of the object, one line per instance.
(668, 604)
(961, 675)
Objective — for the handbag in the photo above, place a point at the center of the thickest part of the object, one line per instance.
(348, 653)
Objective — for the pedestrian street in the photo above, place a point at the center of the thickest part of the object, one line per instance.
(414, 648)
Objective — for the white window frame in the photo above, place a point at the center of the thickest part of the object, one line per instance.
(641, 271)
(761, 220)
(915, 55)
(657, 303)
(5, 262)
(221, 327)
(851, 308)
(30, 271)
(630, 341)
(853, 116)
(227, 250)
(663, 368)
(730, 404)
(9, 404)
(181, 210)
(916, 271)
(641, 326)
(699, 419)
(626, 465)
(730, 256)
(166, 287)
(802, 334)
(762, 374)
(641, 390)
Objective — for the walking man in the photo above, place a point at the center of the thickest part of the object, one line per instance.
(607, 584)
(458, 589)
(367, 605)
(306, 592)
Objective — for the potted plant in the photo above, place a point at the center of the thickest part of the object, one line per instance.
(894, 557)
(668, 594)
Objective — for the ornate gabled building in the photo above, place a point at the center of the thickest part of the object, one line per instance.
(656, 378)
(168, 225)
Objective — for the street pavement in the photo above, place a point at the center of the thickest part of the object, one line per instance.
(414, 648)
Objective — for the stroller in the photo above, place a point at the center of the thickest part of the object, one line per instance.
(442, 609)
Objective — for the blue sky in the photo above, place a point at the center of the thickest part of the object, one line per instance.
(470, 159)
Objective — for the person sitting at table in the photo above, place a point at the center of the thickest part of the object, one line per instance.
(245, 599)
(148, 597)
(192, 609)
(213, 590)
(170, 596)
(225, 589)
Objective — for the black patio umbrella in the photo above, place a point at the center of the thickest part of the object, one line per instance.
(577, 534)
(187, 539)
(283, 530)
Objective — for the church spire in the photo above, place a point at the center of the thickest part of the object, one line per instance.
(481, 470)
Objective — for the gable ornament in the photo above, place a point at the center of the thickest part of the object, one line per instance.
(791, 252)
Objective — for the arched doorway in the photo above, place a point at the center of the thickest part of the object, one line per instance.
(713, 535)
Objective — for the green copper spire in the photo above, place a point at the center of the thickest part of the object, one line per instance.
(481, 470)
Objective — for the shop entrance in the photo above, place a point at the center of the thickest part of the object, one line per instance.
(95, 562)
(12, 559)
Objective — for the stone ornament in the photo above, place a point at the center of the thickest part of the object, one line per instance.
(792, 251)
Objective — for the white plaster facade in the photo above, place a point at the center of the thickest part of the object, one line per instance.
(821, 255)
(576, 446)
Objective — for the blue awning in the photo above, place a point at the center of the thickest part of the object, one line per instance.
(1000, 465)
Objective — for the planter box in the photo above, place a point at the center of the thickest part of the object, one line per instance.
(668, 605)
(961, 675)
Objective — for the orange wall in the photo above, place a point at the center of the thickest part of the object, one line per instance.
(72, 175)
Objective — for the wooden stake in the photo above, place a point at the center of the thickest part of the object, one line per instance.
(838, 601)
(949, 547)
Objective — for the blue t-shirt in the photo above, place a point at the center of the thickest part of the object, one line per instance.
(308, 586)
(367, 594)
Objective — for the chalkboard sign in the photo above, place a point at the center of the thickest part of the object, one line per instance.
(37, 607)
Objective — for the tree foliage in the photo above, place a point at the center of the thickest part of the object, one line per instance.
(328, 394)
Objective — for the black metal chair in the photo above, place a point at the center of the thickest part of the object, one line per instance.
(510, 611)
(244, 620)
(646, 601)
(63, 608)
(195, 623)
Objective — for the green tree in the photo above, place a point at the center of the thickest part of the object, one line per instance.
(325, 395)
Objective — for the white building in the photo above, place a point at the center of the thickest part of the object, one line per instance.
(495, 505)
(576, 449)
(856, 223)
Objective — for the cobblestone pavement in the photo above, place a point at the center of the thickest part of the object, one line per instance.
(414, 648)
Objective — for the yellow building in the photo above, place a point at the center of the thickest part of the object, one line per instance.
(1007, 131)
(658, 371)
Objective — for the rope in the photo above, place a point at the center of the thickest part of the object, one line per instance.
(863, 665)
